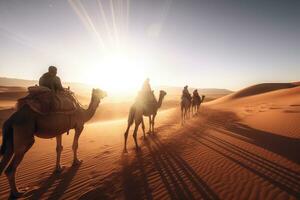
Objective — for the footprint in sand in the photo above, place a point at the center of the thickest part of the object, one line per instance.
(106, 152)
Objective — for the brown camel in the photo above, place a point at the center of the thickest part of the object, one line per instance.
(136, 113)
(19, 131)
(196, 102)
(185, 108)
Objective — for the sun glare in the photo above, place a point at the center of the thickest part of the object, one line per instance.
(119, 71)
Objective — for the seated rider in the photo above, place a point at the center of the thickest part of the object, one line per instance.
(195, 93)
(185, 93)
(57, 99)
(146, 94)
(146, 87)
(50, 80)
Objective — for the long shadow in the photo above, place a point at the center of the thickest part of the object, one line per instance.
(256, 170)
(284, 146)
(64, 183)
(278, 169)
(168, 176)
(65, 177)
(281, 145)
(290, 179)
(44, 187)
(135, 185)
(184, 177)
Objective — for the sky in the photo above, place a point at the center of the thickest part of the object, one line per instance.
(116, 44)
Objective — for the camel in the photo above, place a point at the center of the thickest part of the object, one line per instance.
(185, 108)
(19, 131)
(136, 113)
(196, 102)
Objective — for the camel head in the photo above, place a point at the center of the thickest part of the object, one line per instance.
(162, 93)
(98, 94)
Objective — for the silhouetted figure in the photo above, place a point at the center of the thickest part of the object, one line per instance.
(146, 96)
(50, 80)
(186, 93)
(196, 101)
(31, 124)
(146, 86)
(196, 94)
(138, 110)
(185, 104)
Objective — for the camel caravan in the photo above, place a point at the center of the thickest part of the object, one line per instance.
(49, 110)
(190, 104)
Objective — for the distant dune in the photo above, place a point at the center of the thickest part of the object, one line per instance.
(262, 88)
(270, 106)
(258, 89)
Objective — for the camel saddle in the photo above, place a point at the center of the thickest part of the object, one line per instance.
(147, 101)
(45, 101)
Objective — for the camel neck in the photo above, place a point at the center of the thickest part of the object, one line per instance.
(90, 111)
(160, 101)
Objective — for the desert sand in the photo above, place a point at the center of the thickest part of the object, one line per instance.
(242, 146)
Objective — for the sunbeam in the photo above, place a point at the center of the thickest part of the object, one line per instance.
(87, 21)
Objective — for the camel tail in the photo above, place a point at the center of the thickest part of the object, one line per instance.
(7, 133)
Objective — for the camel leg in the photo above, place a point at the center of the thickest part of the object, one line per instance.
(182, 116)
(6, 157)
(75, 145)
(10, 172)
(5, 160)
(125, 137)
(152, 124)
(143, 127)
(137, 124)
(150, 121)
(59, 149)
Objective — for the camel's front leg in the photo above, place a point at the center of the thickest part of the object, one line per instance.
(152, 124)
(150, 121)
(78, 131)
(137, 124)
(143, 127)
(20, 150)
(59, 149)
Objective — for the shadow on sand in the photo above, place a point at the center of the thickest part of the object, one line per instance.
(278, 175)
(65, 178)
(156, 171)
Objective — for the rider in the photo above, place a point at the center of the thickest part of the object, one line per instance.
(195, 93)
(146, 86)
(50, 80)
(146, 93)
(185, 93)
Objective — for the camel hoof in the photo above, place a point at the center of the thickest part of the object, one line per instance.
(125, 151)
(137, 149)
(59, 169)
(18, 194)
(76, 162)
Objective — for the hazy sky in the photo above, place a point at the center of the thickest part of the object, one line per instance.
(203, 43)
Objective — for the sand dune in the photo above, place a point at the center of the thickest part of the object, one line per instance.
(236, 148)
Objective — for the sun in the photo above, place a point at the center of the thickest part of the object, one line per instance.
(119, 71)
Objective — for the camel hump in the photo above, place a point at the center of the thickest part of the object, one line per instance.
(45, 101)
